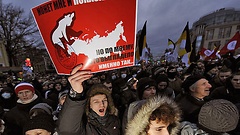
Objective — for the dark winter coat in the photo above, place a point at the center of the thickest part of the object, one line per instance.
(18, 116)
(227, 92)
(190, 107)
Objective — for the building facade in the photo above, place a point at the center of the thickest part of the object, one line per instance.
(216, 28)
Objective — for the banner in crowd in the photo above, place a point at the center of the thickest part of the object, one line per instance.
(100, 34)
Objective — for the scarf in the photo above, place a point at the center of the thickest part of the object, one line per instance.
(97, 120)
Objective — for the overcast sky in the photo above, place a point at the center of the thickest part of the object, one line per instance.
(165, 18)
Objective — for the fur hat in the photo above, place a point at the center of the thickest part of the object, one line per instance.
(143, 84)
(24, 86)
(100, 89)
(40, 122)
(190, 81)
(219, 115)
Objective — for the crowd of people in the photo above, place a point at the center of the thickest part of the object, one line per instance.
(146, 99)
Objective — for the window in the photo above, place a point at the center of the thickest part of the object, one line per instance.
(238, 28)
(221, 33)
(227, 32)
(224, 32)
(210, 34)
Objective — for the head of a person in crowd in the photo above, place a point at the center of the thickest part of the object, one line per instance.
(146, 88)
(211, 69)
(134, 71)
(123, 72)
(7, 93)
(99, 102)
(234, 81)
(228, 63)
(51, 85)
(108, 84)
(64, 81)
(113, 75)
(39, 125)
(197, 86)
(95, 79)
(162, 82)
(171, 72)
(62, 96)
(28, 77)
(158, 71)
(218, 116)
(179, 71)
(132, 83)
(159, 115)
(45, 86)
(25, 92)
(200, 65)
(183, 65)
(103, 76)
(121, 85)
(224, 73)
(57, 86)
(40, 108)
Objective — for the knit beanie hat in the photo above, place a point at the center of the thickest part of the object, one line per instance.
(219, 115)
(44, 106)
(40, 122)
(190, 81)
(24, 86)
(143, 84)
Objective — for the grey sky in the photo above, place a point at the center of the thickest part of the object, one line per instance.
(165, 18)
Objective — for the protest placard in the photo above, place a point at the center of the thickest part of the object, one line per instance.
(100, 34)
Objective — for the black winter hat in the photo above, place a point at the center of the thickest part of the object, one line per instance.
(143, 84)
(162, 78)
(208, 67)
(7, 89)
(190, 81)
(40, 122)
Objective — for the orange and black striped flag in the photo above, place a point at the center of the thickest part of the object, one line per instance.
(184, 42)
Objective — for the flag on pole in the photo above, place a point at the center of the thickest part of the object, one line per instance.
(142, 50)
(232, 45)
(171, 44)
(209, 54)
(184, 43)
(194, 56)
(214, 53)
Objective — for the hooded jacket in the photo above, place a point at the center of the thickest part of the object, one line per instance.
(140, 121)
